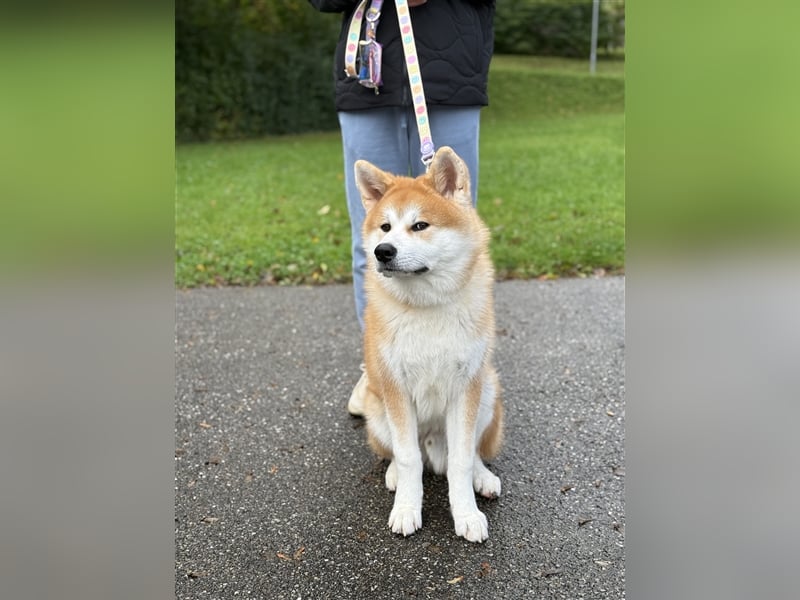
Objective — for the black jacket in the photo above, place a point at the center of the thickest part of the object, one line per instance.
(454, 39)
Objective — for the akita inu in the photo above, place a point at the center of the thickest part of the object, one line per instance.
(433, 394)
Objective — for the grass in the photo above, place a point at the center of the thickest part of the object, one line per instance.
(252, 212)
(550, 187)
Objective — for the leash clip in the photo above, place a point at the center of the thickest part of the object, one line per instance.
(427, 150)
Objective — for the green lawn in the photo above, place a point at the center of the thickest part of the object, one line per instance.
(551, 187)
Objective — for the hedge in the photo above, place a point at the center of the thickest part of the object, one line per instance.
(246, 69)
(557, 28)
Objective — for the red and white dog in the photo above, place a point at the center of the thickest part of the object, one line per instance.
(433, 393)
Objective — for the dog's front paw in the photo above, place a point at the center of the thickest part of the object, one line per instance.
(472, 526)
(405, 519)
(486, 483)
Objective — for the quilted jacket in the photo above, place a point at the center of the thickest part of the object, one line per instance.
(454, 39)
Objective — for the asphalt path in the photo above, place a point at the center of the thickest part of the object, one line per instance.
(278, 495)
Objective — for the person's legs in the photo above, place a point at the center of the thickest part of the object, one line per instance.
(454, 126)
(379, 136)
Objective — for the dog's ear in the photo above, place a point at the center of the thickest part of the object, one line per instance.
(371, 182)
(450, 176)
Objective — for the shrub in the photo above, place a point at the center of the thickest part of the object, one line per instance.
(557, 28)
(245, 69)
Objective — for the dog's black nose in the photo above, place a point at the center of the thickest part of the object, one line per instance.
(385, 252)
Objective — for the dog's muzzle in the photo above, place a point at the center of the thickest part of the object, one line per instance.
(386, 254)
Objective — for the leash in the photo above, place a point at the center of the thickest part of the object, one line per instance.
(352, 40)
(426, 147)
(369, 74)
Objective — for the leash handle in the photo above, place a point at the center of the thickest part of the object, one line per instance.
(369, 72)
(353, 33)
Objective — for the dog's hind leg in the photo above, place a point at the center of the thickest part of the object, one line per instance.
(490, 417)
(485, 483)
(391, 477)
(435, 445)
(489, 435)
(379, 438)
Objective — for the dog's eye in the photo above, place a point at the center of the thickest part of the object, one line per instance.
(386, 227)
(419, 226)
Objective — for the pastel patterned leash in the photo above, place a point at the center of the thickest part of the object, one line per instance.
(426, 147)
(351, 49)
(412, 67)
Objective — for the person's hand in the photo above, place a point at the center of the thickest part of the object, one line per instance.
(413, 3)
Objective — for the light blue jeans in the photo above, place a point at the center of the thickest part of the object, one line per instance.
(389, 139)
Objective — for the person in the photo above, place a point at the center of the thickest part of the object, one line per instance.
(454, 43)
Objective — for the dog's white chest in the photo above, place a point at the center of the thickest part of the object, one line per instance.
(433, 357)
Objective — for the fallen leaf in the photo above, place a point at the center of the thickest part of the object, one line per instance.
(273, 469)
(582, 522)
(205, 425)
(324, 210)
(610, 413)
(566, 488)
(602, 563)
(209, 519)
(486, 569)
(619, 471)
(298, 554)
(214, 460)
(195, 574)
(248, 477)
(547, 573)
(455, 579)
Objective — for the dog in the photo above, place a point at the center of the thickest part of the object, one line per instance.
(433, 396)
